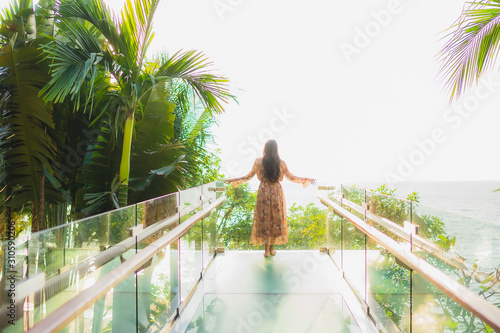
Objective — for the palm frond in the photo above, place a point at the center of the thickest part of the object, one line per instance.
(92, 11)
(73, 63)
(29, 150)
(472, 47)
(157, 125)
(193, 68)
(98, 174)
(136, 30)
(98, 202)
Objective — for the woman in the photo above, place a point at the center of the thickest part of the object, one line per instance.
(269, 226)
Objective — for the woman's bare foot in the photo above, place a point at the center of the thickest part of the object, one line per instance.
(272, 251)
(266, 253)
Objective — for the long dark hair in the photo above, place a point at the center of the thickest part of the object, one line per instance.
(271, 161)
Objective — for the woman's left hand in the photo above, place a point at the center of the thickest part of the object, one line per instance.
(232, 182)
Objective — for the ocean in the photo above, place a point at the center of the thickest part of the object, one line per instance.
(471, 213)
(469, 209)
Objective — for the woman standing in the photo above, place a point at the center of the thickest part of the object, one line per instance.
(269, 226)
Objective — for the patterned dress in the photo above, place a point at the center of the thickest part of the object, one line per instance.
(269, 219)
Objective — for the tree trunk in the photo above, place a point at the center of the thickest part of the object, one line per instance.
(125, 161)
(41, 204)
(38, 209)
(34, 218)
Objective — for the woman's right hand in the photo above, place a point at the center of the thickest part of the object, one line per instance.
(307, 181)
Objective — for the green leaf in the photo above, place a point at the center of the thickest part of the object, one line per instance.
(472, 47)
(28, 150)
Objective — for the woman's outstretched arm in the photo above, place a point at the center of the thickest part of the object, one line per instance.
(296, 179)
(244, 179)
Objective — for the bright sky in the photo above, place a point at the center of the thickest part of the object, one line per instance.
(347, 88)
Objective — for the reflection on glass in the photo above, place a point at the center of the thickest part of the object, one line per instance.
(190, 264)
(69, 257)
(190, 202)
(147, 300)
(156, 296)
(400, 297)
(210, 193)
(389, 289)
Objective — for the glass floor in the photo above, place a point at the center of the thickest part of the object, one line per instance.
(295, 291)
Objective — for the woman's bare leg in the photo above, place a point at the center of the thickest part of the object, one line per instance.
(266, 246)
(272, 251)
(266, 253)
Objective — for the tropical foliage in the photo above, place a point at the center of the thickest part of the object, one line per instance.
(27, 148)
(88, 122)
(145, 93)
(472, 46)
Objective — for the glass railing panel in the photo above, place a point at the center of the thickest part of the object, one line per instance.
(159, 215)
(355, 195)
(98, 317)
(115, 312)
(306, 227)
(157, 287)
(389, 288)
(465, 248)
(235, 219)
(354, 258)
(75, 256)
(334, 236)
(64, 247)
(120, 310)
(190, 260)
(433, 311)
(391, 212)
(14, 269)
(69, 257)
(393, 209)
(14, 255)
(209, 237)
(209, 191)
(469, 237)
(157, 280)
(190, 202)
(190, 256)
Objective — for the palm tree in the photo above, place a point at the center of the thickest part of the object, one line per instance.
(95, 40)
(472, 47)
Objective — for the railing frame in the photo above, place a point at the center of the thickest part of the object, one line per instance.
(66, 313)
(473, 303)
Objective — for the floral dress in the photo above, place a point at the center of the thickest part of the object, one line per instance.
(269, 221)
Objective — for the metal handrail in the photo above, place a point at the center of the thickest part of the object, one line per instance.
(35, 285)
(418, 241)
(478, 306)
(66, 313)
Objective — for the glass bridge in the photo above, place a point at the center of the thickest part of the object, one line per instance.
(375, 264)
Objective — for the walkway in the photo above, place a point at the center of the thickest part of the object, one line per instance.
(296, 291)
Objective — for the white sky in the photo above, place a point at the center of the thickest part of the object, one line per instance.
(351, 121)
(343, 121)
